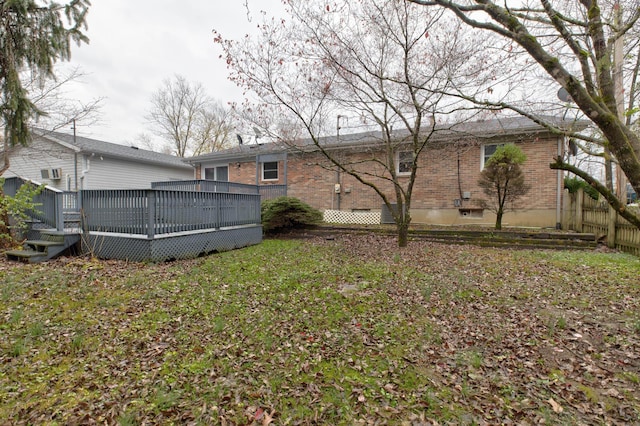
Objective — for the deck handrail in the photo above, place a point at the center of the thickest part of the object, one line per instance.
(49, 202)
(205, 185)
(152, 212)
(268, 192)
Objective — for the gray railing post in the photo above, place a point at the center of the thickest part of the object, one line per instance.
(151, 214)
(59, 211)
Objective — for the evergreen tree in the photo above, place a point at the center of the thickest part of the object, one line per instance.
(34, 35)
(503, 180)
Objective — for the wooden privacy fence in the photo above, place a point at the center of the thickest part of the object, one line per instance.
(598, 218)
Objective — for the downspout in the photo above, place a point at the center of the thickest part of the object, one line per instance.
(560, 186)
(258, 170)
(338, 189)
(75, 154)
(75, 169)
(85, 171)
(459, 176)
(286, 181)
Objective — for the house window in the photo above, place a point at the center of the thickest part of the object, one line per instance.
(270, 170)
(219, 173)
(487, 152)
(404, 161)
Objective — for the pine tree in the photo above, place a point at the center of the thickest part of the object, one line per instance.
(503, 180)
(34, 35)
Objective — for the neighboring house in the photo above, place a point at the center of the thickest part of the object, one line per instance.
(71, 163)
(446, 190)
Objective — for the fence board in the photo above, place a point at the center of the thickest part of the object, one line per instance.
(595, 220)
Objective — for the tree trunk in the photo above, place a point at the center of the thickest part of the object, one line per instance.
(499, 214)
(403, 234)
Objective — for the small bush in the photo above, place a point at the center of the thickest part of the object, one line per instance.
(15, 209)
(287, 213)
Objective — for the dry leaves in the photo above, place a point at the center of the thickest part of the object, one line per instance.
(350, 330)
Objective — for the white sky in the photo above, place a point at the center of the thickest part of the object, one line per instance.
(136, 44)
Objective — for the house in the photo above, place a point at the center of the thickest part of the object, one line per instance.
(70, 163)
(446, 190)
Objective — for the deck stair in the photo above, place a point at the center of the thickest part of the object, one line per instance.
(50, 244)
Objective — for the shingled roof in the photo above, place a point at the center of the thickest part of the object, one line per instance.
(482, 129)
(107, 149)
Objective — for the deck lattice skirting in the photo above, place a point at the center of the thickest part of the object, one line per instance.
(185, 245)
(356, 218)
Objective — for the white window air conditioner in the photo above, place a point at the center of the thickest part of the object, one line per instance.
(53, 174)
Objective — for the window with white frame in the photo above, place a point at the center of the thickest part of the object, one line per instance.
(404, 161)
(219, 173)
(270, 170)
(487, 152)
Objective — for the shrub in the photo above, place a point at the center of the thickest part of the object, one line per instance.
(287, 213)
(14, 209)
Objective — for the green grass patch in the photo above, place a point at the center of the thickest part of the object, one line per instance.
(318, 333)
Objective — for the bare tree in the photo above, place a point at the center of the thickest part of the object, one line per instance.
(381, 63)
(188, 119)
(574, 45)
(56, 110)
(50, 97)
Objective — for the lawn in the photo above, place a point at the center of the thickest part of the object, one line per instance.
(349, 330)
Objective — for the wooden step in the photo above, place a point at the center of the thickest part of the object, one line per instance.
(42, 245)
(50, 244)
(28, 256)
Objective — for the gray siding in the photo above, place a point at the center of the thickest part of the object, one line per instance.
(110, 173)
(27, 161)
(93, 171)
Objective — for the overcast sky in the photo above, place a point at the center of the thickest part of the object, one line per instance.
(135, 45)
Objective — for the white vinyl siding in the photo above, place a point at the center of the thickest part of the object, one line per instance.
(110, 173)
(28, 161)
(100, 172)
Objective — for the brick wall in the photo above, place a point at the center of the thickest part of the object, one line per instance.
(443, 175)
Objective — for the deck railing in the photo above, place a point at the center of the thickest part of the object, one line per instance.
(153, 212)
(268, 192)
(206, 186)
(149, 212)
(49, 202)
(265, 191)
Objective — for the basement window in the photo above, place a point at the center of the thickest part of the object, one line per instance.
(471, 213)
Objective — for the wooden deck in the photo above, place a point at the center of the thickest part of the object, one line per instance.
(150, 224)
